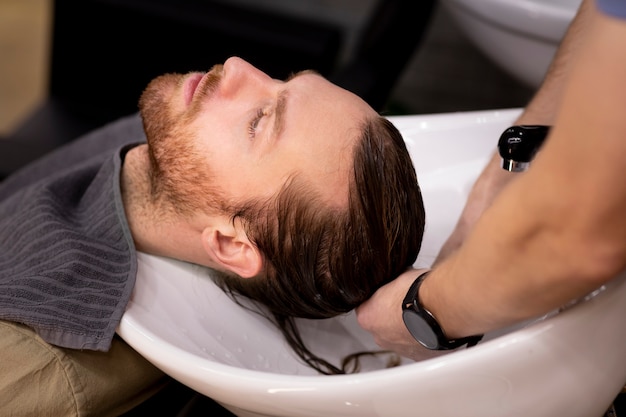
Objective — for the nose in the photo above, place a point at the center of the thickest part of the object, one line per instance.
(239, 75)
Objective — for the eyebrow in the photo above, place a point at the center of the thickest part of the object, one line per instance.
(281, 104)
(299, 73)
(279, 118)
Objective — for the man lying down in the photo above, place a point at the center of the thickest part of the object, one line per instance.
(296, 192)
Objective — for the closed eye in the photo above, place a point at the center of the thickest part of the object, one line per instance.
(254, 123)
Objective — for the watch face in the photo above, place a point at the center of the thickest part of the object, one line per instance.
(419, 329)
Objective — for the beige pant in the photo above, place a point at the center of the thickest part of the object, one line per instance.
(37, 379)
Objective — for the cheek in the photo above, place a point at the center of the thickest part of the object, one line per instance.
(242, 167)
(219, 157)
(245, 179)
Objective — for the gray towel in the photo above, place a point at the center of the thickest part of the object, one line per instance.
(67, 259)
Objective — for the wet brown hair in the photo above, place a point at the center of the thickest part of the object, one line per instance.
(322, 261)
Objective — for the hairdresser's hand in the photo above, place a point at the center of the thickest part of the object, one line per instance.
(491, 181)
(381, 315)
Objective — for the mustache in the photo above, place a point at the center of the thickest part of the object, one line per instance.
(208, 85)
(210, 81)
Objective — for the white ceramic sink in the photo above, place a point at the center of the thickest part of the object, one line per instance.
(520, 36)
(569, 364)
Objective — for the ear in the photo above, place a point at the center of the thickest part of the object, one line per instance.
(229, 246)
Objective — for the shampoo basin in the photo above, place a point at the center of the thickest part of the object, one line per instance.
(566, 364)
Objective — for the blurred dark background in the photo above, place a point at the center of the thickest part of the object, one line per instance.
(402, 56)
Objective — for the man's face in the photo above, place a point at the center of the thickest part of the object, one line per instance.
(237, 129)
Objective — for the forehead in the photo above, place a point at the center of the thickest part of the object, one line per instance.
(324, 124)
(329, 107)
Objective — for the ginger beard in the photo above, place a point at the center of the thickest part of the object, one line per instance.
(179, 174)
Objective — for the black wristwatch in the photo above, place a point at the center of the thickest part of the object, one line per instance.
(424, 327)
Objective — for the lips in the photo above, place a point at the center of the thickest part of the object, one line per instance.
(191, 85)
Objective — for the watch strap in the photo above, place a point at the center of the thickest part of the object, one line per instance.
(412, 302)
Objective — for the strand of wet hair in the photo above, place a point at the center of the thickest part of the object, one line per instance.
(289, 329)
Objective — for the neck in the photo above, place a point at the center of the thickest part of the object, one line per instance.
(156, 228)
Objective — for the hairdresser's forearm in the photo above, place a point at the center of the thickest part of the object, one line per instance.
(534, 250)
(541, 110)
(559, 231)
(512, 267)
